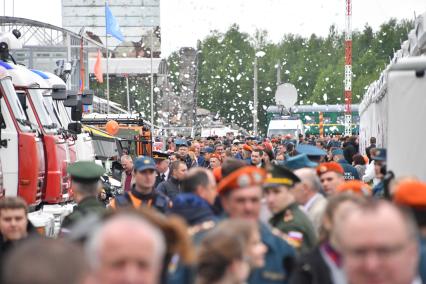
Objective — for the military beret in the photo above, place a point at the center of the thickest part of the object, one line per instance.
(310, 150)
(247, 148)
(411, 193)
(217, 173)
(241, 178)
(330, 167)
(217, 156)
(355, 186)
(279, 175)
(85, 171)
(267, 146)
(298, 162)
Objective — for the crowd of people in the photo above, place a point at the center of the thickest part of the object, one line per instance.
(231, 210)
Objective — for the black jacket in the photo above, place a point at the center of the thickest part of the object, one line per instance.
(193, 209)
(311, 268)
(349, 151)
(170, 188)
(159, 179)
(7, 246)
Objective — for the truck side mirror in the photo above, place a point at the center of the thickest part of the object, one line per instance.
(71, 100)
(59, 92)
(74, 127)
(87, 97)
(77, 111)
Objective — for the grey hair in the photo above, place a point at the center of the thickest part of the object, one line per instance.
(310, 176)
(126, 158)
(95, 242)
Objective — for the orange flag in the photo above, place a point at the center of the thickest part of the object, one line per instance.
(98, 68)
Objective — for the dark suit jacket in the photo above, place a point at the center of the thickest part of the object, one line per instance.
(311, 269)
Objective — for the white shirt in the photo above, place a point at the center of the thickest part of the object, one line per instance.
(166, 174)
(370, 174)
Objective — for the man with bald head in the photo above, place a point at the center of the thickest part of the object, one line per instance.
(126, 249)
(307, 194)
(378, 242)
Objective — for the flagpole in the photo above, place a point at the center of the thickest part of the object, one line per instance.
(107, 60)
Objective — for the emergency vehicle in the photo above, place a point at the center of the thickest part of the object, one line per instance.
(21, 148)
(29, 88)
(55, 102)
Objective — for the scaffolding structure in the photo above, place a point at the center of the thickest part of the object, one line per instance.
(47, 47)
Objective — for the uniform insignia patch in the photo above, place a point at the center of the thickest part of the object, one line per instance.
(288, 216)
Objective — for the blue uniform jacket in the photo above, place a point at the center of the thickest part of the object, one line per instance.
(238, 156)
(350, 172)
(279, 256)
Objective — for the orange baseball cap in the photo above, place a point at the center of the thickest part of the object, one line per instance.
(330, 167)
(241, 178)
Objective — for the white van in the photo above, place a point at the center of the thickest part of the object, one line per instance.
(286, 126)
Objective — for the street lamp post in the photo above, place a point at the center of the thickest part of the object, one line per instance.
(259, 54)
(255, 97)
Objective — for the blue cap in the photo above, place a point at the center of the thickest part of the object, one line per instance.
(181, 142)
(143, 163)
(310, 150)
(337, 151)
(298, 162)
(381, 154)
(209, 150)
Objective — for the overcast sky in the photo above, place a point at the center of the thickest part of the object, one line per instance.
(185, 21)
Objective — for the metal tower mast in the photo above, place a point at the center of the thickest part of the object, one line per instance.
(348, 69)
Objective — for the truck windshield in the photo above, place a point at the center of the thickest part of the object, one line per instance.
(48, 102)
(66, 117)
(41, 109)
(18, 112)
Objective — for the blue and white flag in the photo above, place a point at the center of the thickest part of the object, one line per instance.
(112, 27)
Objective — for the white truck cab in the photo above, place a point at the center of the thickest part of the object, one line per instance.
(285, 126)
(22, 153)
(83, 143)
